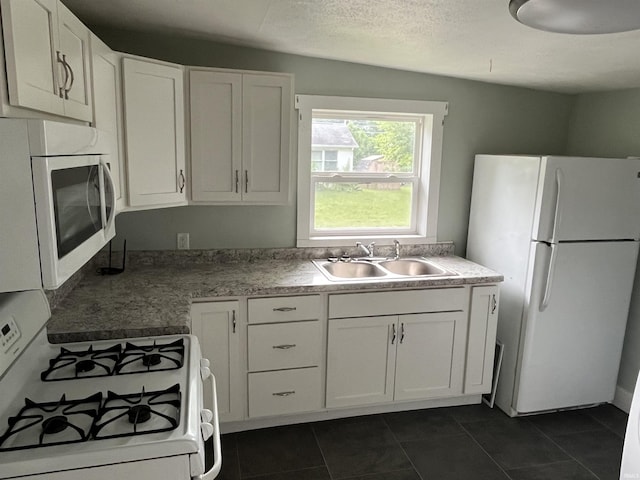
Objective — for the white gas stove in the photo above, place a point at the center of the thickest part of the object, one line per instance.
(129, 407)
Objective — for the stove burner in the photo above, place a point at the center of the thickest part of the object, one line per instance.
(55, 424)
(87, 363)
(139, 414)
(151, 359)
(84, 366)
(41, 424)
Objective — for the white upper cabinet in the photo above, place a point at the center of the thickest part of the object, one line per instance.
(107, 109)
(240, 137)
(47, 58)
(154, 125)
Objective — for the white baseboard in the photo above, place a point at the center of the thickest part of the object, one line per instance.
(254, 423)
(623, 399)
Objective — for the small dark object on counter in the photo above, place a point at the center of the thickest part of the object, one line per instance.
(114, 270)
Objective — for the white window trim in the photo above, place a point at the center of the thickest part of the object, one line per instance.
(429, 185)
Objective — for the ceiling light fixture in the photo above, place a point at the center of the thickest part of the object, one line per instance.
(578, 16)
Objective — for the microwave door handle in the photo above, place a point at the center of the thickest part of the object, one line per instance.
(109, 177)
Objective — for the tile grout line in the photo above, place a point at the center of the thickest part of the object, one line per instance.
(482, 448)
(281, 471)
(402, 448)
(324, 459)
(565, 451)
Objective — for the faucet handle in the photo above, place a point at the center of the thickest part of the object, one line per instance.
(370, 247)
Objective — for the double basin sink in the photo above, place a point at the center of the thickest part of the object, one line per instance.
(381, 269)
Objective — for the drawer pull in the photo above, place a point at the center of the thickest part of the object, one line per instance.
(284, 309)
(286, 346)
(284, 394)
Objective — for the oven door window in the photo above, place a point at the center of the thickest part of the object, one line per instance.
(76, 205)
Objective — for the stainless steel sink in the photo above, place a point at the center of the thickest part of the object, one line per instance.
(412, 267)
(381, 269)
(353, 270)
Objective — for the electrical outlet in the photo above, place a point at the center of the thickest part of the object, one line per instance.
(183, 241)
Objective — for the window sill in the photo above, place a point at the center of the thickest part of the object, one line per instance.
(341, 241)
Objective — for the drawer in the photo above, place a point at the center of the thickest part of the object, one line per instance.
(284, 391)
(398, 302)
(284, 309)
(276, 346)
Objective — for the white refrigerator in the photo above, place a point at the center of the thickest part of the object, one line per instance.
(564, 233)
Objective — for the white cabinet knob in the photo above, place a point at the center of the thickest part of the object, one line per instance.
(206, 415)
(207, 430)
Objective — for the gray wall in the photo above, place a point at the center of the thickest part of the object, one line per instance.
(608, 124)
(483, 118)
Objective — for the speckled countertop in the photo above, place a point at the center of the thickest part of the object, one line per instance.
(153, 296)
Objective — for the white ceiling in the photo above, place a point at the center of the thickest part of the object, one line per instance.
(474, 39)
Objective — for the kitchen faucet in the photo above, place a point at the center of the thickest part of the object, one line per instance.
(368, 250)
(396, 245)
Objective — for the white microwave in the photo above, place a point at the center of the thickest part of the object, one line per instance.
(75, 212)
(66, 212)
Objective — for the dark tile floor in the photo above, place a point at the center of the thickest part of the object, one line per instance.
(470, 442)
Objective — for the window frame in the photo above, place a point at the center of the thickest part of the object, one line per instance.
(425, 188)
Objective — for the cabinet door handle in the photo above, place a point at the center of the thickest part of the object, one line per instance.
(246, 181)
(284, 309)
(181, 181)
(60, 60)
(393, 334)
(237, 180)
(72, 78)
(284, 394)
(285, 346)
(494, 304)
(401, 332)
(233, 321)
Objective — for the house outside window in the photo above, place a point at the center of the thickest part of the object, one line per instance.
(368, 169)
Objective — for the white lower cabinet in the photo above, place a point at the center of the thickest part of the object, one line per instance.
(284, 343)
(308, 353)
(430, 355)
(283, 392)
(217, 327)
(483, 324)
(396, 357)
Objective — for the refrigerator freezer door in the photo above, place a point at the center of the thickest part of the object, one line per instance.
(570, 351)
(588, 199)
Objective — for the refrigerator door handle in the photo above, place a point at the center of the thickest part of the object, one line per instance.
(549, 282)
(558, 210)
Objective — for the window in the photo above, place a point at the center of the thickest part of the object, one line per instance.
(368, 169)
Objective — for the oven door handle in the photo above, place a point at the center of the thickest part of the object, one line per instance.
(215, 423)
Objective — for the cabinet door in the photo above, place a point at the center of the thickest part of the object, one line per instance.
(154, 119)
(74, 45)
(31, 45)
(216, 326)
(361, 360)
(483, 322)
(430, 357)
(107, 109)
(216, 136)
(266, 124)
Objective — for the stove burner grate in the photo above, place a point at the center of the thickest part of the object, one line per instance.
(139, 413)
(155, 357)
(87, 363)
(51, 423)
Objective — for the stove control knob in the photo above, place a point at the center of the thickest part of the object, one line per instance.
(207, 430)
(206, 415)
(205, 372)
(204, 362)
